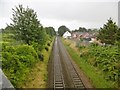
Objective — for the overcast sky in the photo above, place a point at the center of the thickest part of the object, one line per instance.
(71, 13)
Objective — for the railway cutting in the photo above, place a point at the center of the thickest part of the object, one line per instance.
(61, 71)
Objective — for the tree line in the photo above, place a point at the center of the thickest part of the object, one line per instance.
(108, 34)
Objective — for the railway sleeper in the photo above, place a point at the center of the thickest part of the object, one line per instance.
(78, 83)
(80, 87)
(59, 82)
(77, 80)
(59, 85)
(75, 76)
(58, 77)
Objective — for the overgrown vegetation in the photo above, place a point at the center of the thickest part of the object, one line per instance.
(38, 77)
(109, 33)
(104, 59)
(17, 62)
(96, 63)
(23, 44)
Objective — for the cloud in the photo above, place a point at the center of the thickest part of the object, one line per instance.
(73, 13)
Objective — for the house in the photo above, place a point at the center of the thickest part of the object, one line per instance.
(76, 35)
(67, 34)
(79, 35)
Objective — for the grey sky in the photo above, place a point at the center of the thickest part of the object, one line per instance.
(72, 13)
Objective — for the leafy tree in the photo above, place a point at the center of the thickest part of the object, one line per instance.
(118, 35)
(62, 29)
(8, 29)
(50, 31)
(82, 29)
(26, 25)
(108, 33)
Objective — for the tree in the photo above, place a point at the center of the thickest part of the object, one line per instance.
(62, 29)
(26, 25)
(108, 33)
(50, 31)
(7, 29)
(82, 29)
(118, 38)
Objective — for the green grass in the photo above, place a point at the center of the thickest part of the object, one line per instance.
(95, 76)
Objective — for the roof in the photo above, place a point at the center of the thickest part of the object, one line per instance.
(67, 34)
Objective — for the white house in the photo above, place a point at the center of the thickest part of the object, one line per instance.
(67, 35)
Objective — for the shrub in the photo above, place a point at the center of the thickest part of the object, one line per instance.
(46, 48)
(26, 50)
(48, 44)
(17, 62)
(41, 57)
(105, 58)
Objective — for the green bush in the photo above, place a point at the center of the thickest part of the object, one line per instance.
(46, 48)
(105, 58)
(48, 44)
(26, 50)
(41, 57)
(17, 62)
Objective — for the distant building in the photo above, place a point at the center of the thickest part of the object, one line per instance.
(83, 35)
(67, 34)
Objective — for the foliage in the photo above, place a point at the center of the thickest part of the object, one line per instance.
(48, 44)
(93, 73)
(62, 30)
(46, 48)
(26, 25)
(8, 29)
(17, 62)
(108, 33)
(118, 38)
(81, 29)
(50, 31)
(105, 58)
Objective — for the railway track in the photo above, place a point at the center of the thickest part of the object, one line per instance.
(75, 78)
(64, 73)
(58, 75)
